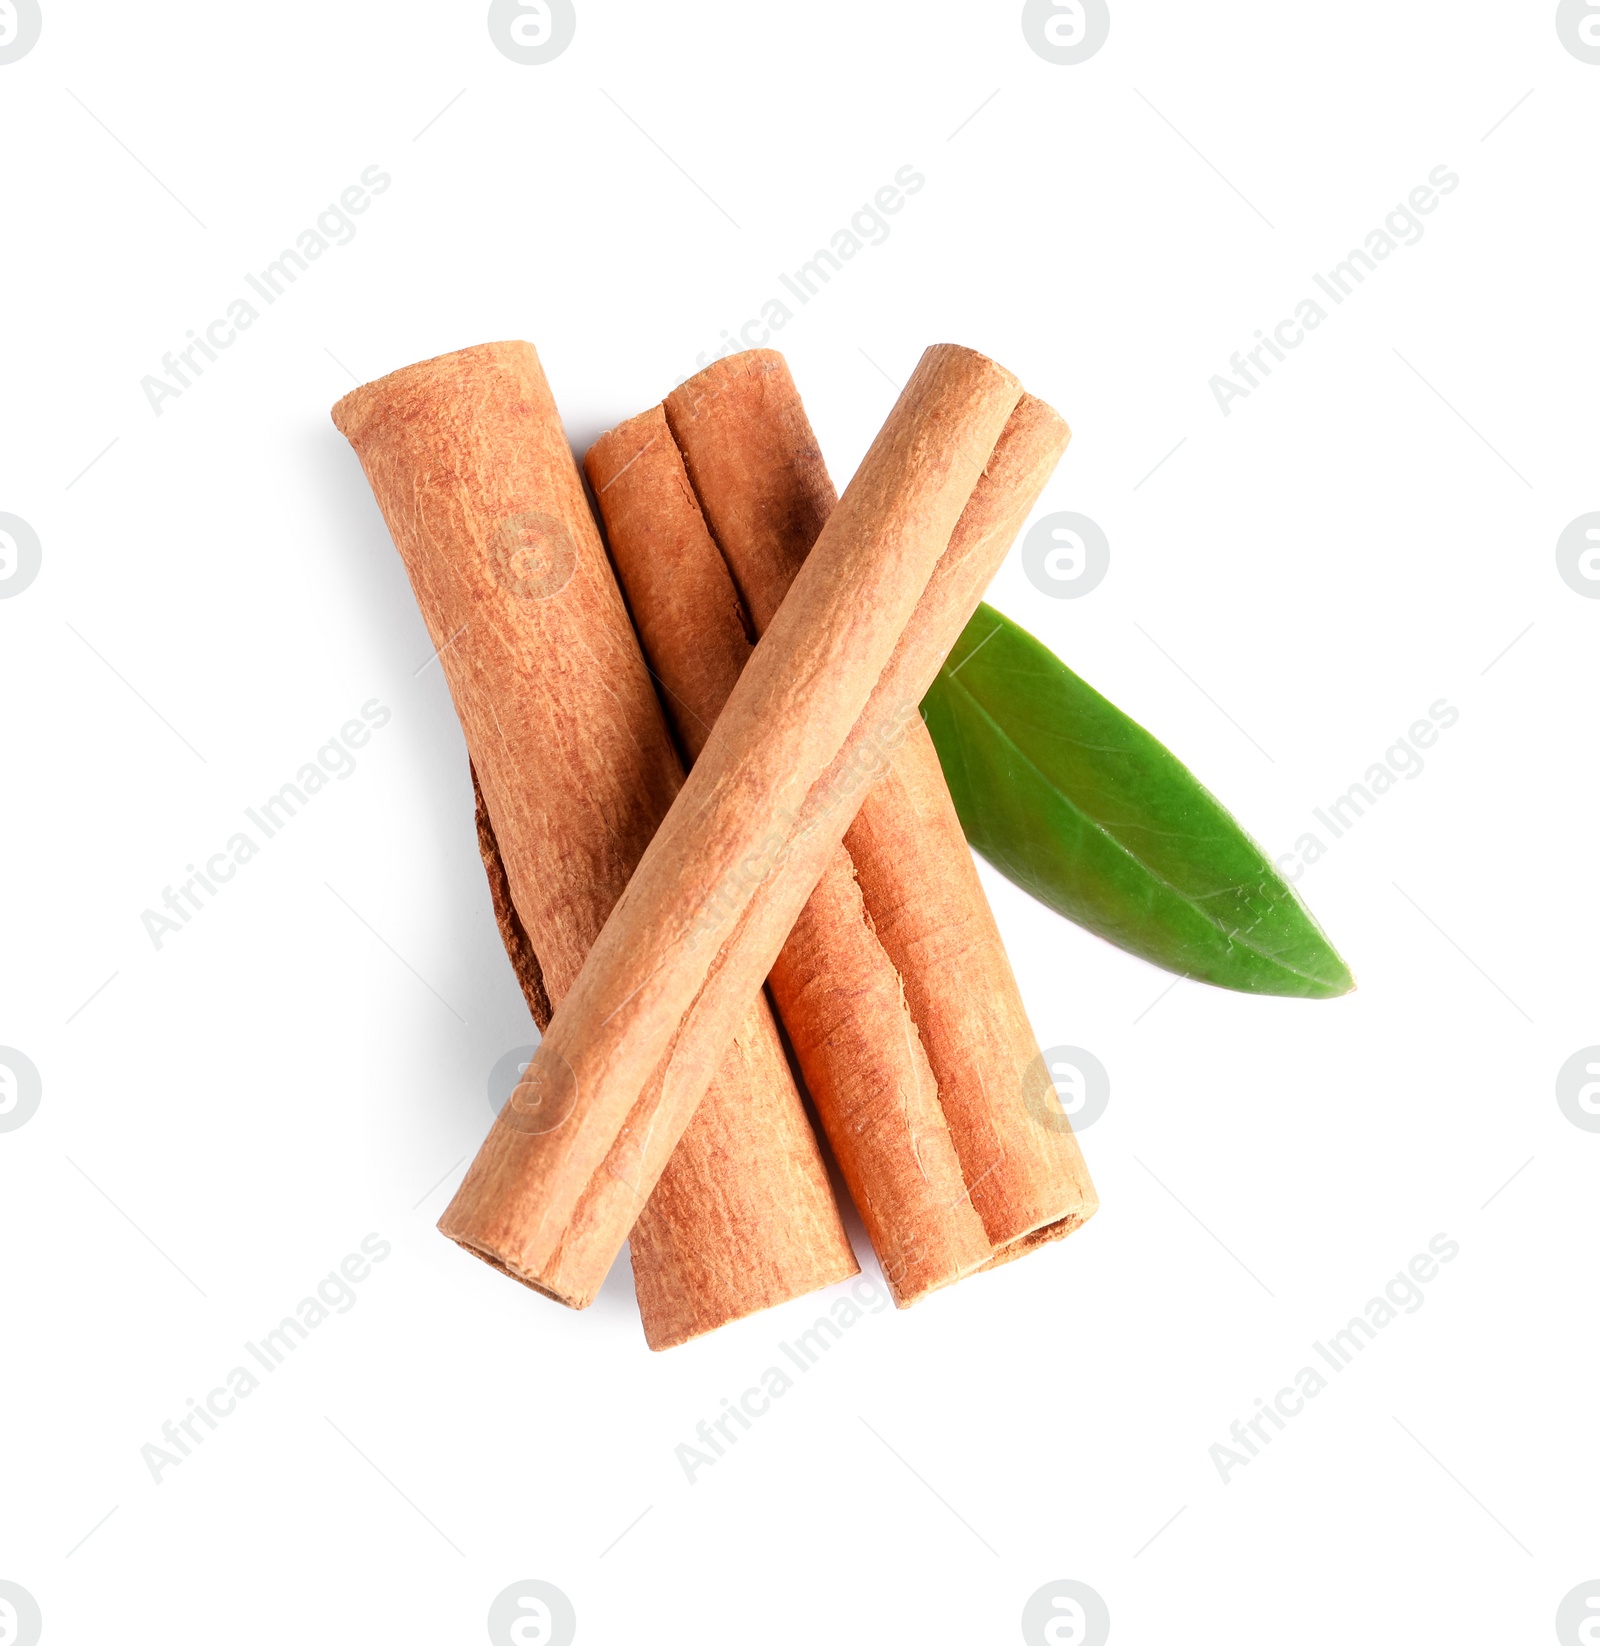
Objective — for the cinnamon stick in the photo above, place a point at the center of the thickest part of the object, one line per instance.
(837, 992)
(758, 475)
(737, 1222)
(827, 692)
(574, 769)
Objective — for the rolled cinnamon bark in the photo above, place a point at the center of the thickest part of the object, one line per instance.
(738, 1221)
(837, 992)
(574, 770)
(758, 475)
(825, 698)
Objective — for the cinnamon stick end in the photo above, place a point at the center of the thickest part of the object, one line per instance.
(356, 411)
(573, 1300)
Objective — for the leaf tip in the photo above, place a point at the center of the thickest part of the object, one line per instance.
(1339, 981)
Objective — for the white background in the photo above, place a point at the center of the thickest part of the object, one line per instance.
(306, 1062)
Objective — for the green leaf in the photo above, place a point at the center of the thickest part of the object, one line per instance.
(1083, 808)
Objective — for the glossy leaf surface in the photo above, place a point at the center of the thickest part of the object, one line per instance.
(1083, 808)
